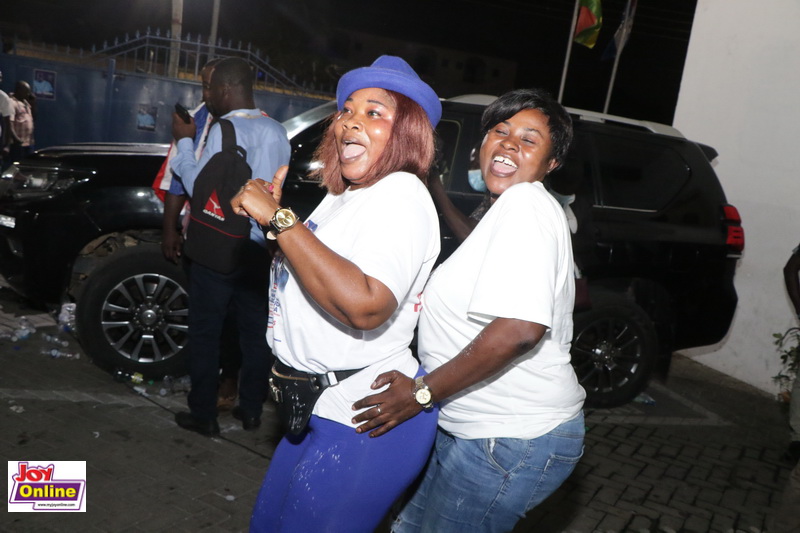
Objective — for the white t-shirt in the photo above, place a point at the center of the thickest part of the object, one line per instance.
(517, 263)
(6, 109)
(390, 230)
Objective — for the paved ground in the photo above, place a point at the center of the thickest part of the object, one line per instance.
(704, 457)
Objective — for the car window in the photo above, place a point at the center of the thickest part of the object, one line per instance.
(639, 175)
(574, 176)
(449, 132)
(303, 146)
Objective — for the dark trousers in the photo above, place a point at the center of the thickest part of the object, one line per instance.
(211, 294)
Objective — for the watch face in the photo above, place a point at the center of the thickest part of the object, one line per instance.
(284, 218)
(423, 396)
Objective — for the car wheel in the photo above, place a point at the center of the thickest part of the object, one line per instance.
(133, 313)
(614, 350)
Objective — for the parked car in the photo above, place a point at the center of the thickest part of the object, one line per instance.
(81, 222)
(656, 242)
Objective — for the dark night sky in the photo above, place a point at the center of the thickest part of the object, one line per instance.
(534, 33)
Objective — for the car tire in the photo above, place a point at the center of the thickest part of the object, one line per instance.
(614, 350)
(133, 313)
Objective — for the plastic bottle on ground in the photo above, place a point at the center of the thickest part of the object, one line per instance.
(66, 317)
(55, 353)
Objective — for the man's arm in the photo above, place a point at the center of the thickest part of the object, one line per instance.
(171, 238)
(13, 137)
(184, 164)
(790, 276)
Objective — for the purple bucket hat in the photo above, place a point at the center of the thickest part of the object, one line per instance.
(394, 74)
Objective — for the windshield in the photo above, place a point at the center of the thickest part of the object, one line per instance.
(302, 121)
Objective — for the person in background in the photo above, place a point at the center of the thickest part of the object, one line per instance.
(6, 111)
(494, 337)
(171, 191)
(23, 101)
(345, 302)
(460, 224)
(212, 293)
(176, 208)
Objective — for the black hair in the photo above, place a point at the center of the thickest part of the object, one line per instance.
(558, 119)
(213, 62)
(233, 71)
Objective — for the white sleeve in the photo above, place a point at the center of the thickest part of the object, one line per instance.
(185, 164)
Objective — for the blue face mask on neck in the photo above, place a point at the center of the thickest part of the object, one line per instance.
(475, 178)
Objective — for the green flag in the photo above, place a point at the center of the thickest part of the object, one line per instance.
(590, 20)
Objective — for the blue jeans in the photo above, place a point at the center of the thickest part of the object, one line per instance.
(488, 485)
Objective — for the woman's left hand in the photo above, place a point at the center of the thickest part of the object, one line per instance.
(387, 409)
(260, 199)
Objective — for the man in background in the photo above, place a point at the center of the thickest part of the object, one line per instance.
(23, 101)
(176, 208)
(246, 288)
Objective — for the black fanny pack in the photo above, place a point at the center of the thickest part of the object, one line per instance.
(296, 392)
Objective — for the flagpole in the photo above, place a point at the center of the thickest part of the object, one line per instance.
(569, 50)
(621, 45)
(611, 83)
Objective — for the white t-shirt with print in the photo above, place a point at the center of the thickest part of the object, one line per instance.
(390, 230)
(517, 263)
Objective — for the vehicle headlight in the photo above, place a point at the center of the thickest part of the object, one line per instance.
(7, 221)
(23, 181)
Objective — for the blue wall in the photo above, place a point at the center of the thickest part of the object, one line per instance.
(86, 107)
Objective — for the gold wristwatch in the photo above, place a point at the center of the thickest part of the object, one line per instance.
(283, 219)
(422, 393)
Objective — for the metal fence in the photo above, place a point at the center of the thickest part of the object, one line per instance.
(157, 53)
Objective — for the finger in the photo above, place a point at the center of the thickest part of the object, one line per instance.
(280, 175)
(277, 183)
(367, 401)
(236, 205)
(382, 430)
(370, 419)
(384, 379)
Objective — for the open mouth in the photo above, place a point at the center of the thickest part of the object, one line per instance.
(352, 150)
(503, 166)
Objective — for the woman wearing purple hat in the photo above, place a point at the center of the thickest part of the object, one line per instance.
(344, 304)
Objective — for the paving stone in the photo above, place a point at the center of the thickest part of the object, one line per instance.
(696, 524)
(706, 457)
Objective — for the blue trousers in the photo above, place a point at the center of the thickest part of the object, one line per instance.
(332, 479)
(487, 485)
(211, 296)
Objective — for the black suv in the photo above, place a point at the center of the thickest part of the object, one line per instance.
(81, 222)
(656, 242)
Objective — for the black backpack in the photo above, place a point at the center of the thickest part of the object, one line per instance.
(216, 235)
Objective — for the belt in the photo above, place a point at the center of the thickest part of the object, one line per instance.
(321, 381)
